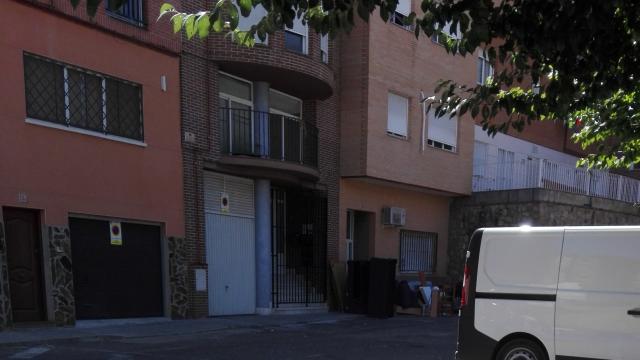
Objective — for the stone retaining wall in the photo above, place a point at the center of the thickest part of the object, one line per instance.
(537, 207)
(5, 296)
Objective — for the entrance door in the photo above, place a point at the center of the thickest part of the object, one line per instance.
(363, 235)
(299, 242)
(24, 258)
(230, 244)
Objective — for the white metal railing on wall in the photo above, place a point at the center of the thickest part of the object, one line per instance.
(528, 173)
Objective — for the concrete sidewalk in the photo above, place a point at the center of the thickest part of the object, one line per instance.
(154, 327)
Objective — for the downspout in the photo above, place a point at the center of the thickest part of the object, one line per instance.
(423, 101)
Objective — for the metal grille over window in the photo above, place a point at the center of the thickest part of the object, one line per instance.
(130, 10)
(78, 98)
(418, 251)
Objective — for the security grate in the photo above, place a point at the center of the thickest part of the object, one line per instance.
(128, 10)
(418, 251)
(83, 99)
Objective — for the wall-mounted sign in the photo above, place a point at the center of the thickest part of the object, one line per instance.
(224, 202)
(115, 228)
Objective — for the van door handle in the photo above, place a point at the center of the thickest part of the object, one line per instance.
(634, 312)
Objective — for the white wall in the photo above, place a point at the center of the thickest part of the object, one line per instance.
(522, 147)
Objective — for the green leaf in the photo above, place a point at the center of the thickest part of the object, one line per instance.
(203, 24)
(234, 17)
(165, 9)
(245, 7)
(189, 25)
(177, 20)
(218, 24)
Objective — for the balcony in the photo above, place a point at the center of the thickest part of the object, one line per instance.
(545, 174)
(267, 140)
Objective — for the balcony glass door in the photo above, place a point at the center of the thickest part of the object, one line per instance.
(236, 111)
(237, 121)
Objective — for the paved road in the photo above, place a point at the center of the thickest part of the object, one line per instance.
(401, 337)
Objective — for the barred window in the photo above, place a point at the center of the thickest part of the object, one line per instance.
(129, 10)
(79, 98)
(418, 251)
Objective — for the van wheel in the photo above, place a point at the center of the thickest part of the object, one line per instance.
(521, 349)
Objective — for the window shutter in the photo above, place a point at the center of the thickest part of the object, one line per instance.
(398, 114)
(442, 129)
(404, 7)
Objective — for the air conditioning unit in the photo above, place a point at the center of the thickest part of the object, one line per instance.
(393, 216)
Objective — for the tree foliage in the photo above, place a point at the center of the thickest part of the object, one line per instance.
(582, 55)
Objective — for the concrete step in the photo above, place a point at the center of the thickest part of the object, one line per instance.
(297, 309)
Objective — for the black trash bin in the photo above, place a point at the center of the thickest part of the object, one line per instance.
(357, 287)
(382, 288)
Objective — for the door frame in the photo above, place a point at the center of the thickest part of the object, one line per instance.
(164, 252)
(44, 260)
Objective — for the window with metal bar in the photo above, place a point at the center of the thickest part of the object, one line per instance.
(418, 251)
(79, 98)
(129, 10)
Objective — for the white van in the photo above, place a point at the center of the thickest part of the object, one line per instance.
(564, 293)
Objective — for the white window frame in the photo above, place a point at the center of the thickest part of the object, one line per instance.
(229, 97)
(305, 35)
(447, 32)
(234, 98)
(389, 131)
(483, 59)
(434, 143)
(403, 13)
(324, 48)
(350, 232)
(279, 112)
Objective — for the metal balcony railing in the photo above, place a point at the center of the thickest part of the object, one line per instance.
(546, 174)
(268, 136)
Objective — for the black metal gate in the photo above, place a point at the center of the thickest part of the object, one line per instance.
(299, 246)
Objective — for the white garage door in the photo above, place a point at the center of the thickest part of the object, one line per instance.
(230, 244)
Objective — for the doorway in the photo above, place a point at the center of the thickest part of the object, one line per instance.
(359, 235)
(24, 258)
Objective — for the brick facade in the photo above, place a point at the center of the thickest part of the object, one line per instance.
(306, 77)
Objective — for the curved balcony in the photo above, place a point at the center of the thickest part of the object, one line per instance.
(302, 74)
(267, 141)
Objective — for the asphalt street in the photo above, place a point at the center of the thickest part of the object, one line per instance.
(401, 337)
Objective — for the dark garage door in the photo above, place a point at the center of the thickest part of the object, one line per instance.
(116, 281)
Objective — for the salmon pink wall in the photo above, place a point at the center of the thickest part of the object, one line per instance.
(425, 212)
(63, 172)
(401, 64)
